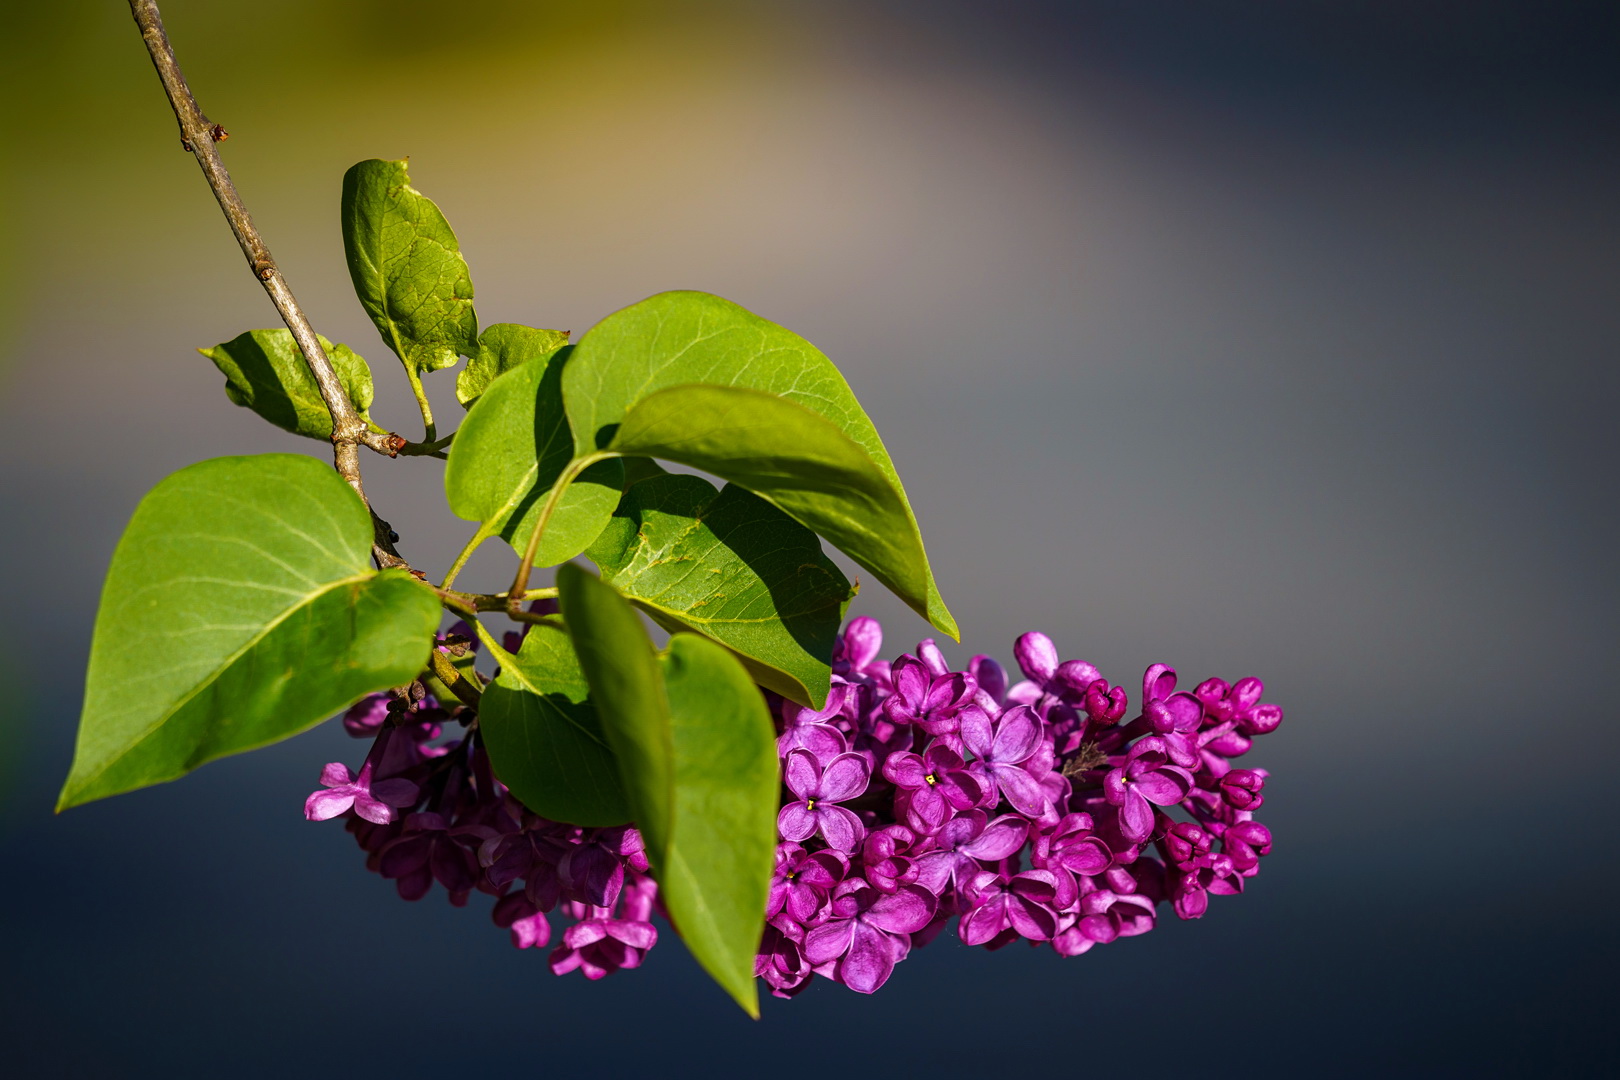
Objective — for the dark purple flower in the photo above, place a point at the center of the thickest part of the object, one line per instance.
(934, 785)
(1001, 748)
(819, 791)
(867, 933)
(366, 717)
(527, 923)
(1146, 777)
(592, 871)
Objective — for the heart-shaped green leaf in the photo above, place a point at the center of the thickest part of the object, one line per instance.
(796, 459)
(407, 267)
(265, 372)
(680, 338)
(697, 752)
(729, 565)
(544, 739)
(510, 450)
(240, 608)
(501, 348)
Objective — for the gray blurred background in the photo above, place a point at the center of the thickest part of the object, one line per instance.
(1260, 338)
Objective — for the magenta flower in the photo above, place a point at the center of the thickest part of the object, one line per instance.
(1001, 748)
(884, 858)
(935, 703)
(803, 883)
(1021, 904)
(1104, 917)
(819, 791)
(1146, 777)
(602, 943)
(933, 786)
(963, 844)
(809, 729)
(1071, 850)
(592, 871)
(1241, 788)
(526, 922)
(867, 934)
(374, 800)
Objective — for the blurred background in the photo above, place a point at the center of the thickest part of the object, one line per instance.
(1259, 338)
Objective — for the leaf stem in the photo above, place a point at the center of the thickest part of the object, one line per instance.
(198, 135)
(466, 553)
(520, 582)
(423, 404)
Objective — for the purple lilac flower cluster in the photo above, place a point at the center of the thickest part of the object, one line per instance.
(917, 794)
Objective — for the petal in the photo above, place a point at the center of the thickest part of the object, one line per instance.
(1000, 838)
(829, 941)
(637, 935)
(802, 773)
(1017, 736)
(905, 911)
(932, 658)
(378, 813)
(336, 774)
(1135, 817)
(977, 732)
(324, 805)
(1164, 786)
(960, 788)
(839, 827)
(1020, 788)
(1034, 921)
(396, 792)
(905, 770)
(911, 681)
(845, 778)
(983, 922)
(1158, 683)
(869, 962)
(796, 822)
(991, 676)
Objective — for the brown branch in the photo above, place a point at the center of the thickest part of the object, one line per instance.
(198, 135)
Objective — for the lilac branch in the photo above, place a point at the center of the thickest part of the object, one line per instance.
(198, 135)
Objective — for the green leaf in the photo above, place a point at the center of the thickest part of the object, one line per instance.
(265, 372)
(510, 451)
(240, 609)
(679, 338)
(544, 739)
(621, 670)
(407, 267)
(729, 565)
(717, 873)
(796, 459)
(697, 752)
(501, 348)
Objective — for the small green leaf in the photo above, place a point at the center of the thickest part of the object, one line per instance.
(717, 874)
(697, 753)
(544, 739)
(678, 338)
(509, 452)
(797, 460)
(240, 608)
(729, 565)
(501, 348)
(265, 372)
(407, 267)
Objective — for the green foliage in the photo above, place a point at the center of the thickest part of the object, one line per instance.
(501, 348)
(265, 372)
(240, 609)
(717, 873)
(543, 736)
(697, 753)
(407, 267)
(512, 449)
(680, 338)
(798, 460)
(730, 565)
